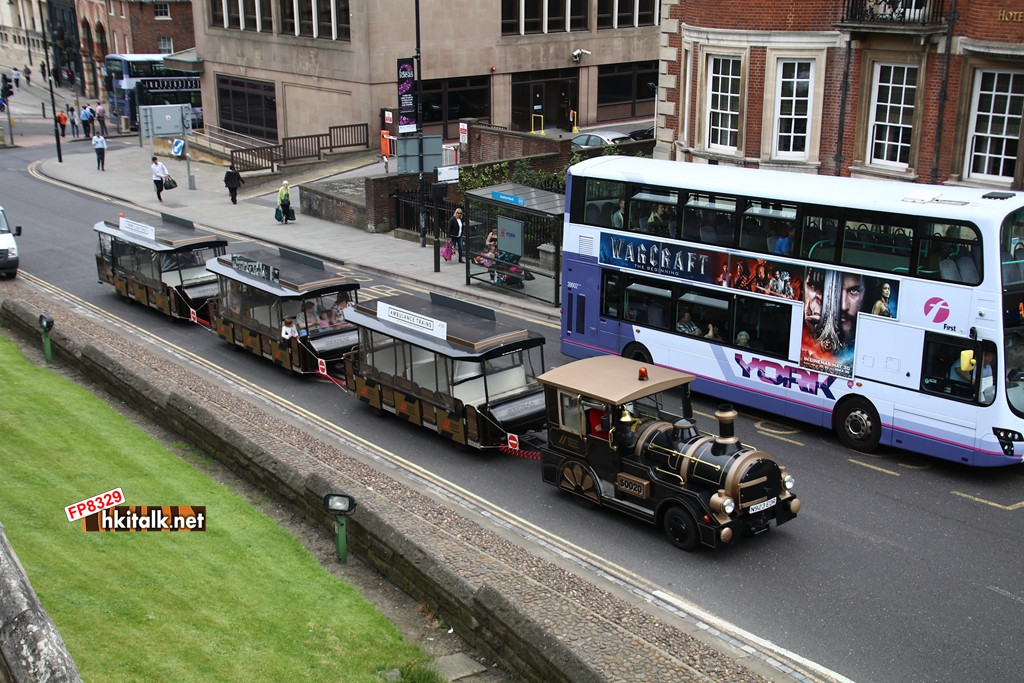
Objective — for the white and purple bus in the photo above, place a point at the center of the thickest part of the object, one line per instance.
(890, 312)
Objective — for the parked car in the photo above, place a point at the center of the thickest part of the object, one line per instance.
(598, 138)
(8, 247)
(642, 134)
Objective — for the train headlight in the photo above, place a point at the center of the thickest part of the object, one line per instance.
(723, 503)
(789, 482)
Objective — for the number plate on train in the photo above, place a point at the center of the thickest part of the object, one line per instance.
(758, 507)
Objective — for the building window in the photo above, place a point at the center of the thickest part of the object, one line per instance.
(325, 19)
(794, 86)
(626, 90)
(626, 13)
(162, 10)
(165, 45)
(891, 125)
(724, 81)
(445, 101)
(993, 139)
(519, 17)
(122, 9)
(247, 107)
(110, 7)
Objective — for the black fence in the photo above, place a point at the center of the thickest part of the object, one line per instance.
(897, 12)
(301, 147)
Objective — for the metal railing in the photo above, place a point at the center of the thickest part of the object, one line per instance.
(301, 147)
(895, 12)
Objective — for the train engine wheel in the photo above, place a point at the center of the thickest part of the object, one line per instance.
(680, 527)
(581, 482)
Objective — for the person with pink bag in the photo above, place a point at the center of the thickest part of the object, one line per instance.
(455, 232)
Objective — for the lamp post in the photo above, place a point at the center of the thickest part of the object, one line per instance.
(28, 37)
(340, 506)
(419, 126)
(49, 79)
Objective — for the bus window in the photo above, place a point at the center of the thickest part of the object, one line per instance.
(958, 371)
(766, 324)
(652, 211)
(611, 296)
(950, 252)
(709, 315)
(602, 199)
(818, 238)
(769, 227)
(648, 304)
(714, 214)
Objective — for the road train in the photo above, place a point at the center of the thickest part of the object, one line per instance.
(602, 428)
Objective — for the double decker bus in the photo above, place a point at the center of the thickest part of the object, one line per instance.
(139, 80)
(890, 312)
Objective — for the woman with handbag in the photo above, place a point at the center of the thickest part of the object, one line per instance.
(284, 202)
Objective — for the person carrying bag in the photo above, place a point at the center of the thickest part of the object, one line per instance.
(284, 211)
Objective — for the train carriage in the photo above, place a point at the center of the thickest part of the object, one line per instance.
(163, 267)
(448, 366)
(613, 441)
(284, 306)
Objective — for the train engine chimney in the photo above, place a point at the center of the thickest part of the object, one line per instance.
(726, 442)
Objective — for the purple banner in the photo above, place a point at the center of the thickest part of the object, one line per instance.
(407, 95)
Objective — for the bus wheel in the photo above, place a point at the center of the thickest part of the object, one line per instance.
(637, 352)
(580, 481)
(857, 424)
(680, 528)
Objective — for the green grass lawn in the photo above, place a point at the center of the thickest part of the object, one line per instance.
(242, 600)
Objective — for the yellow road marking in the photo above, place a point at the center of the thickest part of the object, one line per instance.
(874, 467)
(1009, 508)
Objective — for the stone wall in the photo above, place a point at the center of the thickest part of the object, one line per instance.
(31, 649)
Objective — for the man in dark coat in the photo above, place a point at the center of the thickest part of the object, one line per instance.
(455, 230)
(233, 181)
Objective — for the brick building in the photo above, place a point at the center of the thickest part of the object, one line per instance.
(119, 26)
(913, 90)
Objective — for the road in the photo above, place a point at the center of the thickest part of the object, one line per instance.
(898, 568)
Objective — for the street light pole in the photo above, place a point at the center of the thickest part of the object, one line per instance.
(28, 37)
(49, 80)
(419, 126)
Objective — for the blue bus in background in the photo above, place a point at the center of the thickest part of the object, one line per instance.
(139, 80)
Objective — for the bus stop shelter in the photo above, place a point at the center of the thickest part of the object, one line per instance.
(528, 223)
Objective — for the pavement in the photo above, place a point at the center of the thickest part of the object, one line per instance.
(127, 178)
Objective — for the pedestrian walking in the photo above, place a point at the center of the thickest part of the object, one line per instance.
(284, 201)
(455, 230)
(16, 77)
(62, 121)
(159, 173)
(233, 180)
(42, 70)
(99, 143)
(28, 75)
(86, 117)
(73, 117)
(101, 118)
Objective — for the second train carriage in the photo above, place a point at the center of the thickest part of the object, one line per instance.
(284, 306)
(163, 267)
(448, 366)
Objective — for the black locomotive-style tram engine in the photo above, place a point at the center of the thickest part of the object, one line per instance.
(613, 442)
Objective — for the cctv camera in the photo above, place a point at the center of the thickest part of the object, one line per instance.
(577, 54)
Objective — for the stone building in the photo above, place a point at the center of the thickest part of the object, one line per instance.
(912, 90)
(275, 69)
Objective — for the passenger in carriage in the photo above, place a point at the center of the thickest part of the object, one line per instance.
(288, 329)
(323, 321)
(338, 309)
(307, 318)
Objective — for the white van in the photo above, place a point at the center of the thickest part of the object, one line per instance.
(8, 247)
